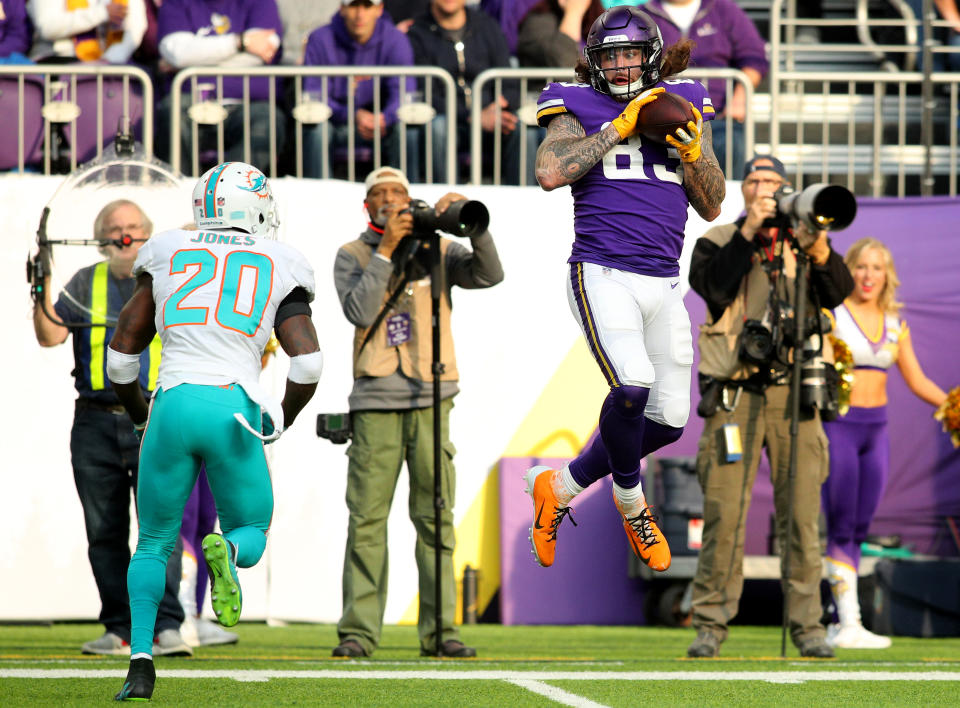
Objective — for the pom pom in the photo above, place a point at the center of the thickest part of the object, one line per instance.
(843, 363)
(948, 413)
(271, 347)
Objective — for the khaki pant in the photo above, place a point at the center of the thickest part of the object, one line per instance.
(382, 441)
(764, 421)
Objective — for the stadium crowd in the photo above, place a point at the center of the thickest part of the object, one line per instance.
(165, 36)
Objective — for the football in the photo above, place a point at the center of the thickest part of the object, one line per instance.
(662, 117)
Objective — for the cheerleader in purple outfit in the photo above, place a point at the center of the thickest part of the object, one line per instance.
(869, 323)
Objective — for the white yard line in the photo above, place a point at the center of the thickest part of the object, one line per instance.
(460, 675)
(555, 694)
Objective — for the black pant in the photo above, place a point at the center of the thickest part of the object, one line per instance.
(105, 453)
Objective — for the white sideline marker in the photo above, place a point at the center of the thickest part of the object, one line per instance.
(555, 694)
(460, 675)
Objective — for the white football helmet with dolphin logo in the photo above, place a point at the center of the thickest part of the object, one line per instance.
(238, 196)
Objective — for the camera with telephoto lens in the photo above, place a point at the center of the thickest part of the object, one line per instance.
(828, 207)
(466, 217)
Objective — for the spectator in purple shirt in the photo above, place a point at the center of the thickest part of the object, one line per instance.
(359, 35)
(508, 14)
(15, 32)
(724, 37)
(234, 33)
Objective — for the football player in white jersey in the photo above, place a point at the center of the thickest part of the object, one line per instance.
(214, 295)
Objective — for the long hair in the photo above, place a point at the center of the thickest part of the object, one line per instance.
(675, 59)
(887, 299)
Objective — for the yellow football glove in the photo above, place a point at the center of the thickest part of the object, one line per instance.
(626, 122)
(688, 144)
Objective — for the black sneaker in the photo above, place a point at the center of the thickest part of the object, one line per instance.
(138, 685)
(705, 646)
(816, 648)
(452, 648)
(350, 648)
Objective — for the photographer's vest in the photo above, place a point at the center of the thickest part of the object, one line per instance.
(414, 356)
(719, 341)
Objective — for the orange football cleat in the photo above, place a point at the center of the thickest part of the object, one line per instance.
(548, 512)
(645, 536)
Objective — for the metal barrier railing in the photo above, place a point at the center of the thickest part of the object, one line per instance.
(526, 116)
(313, 110)
(867, 123)
(884, 107)
(61, 103)
(861, 127)
(527, 113)
(860, 22)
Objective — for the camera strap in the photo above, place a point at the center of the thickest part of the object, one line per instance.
(385, 309)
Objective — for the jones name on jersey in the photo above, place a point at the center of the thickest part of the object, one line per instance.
(217, 293)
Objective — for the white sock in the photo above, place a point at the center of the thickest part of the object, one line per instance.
(843, 585)
(628, 496)
(141, 655)
(188, 584)
(569, 482)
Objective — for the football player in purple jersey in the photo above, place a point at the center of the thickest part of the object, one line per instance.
(630, 206)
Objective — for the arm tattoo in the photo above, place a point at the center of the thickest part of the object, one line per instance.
(567, 153)
(703, 180)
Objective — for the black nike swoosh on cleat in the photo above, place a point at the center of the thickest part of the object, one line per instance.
(536, 524)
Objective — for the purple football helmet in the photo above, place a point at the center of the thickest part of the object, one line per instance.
(624, 31)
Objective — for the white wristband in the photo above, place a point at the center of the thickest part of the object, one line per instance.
(306, 368)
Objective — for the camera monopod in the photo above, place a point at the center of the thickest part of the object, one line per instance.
(800, 307)
(464, 218)
(819, 206)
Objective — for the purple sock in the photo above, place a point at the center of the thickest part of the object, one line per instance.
(591, 464)
(617, 448)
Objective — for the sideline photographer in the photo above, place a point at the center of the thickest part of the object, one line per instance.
(104, 447)
(383, 281)
(745, 273)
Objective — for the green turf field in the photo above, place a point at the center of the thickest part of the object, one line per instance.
(517, 666)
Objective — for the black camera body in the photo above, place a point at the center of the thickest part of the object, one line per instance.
(466, 218)
(758, 343)
(334, 427)
(765, 341)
